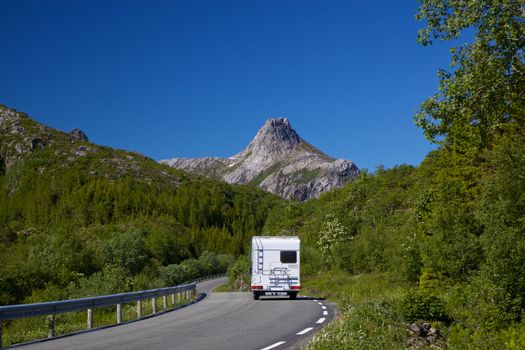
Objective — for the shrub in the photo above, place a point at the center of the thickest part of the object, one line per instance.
(111, 280)
(481, 305)
(174, 274)
(224, 261)
(127, 250)
(423, 305)
(207, 263)
(239, 273)
(191, 266)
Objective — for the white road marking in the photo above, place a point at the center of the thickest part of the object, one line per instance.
(325, 313)
(320, 303)
(315, 300)
(274, 345)
(323, 307)
(321, 320)
(304, 331)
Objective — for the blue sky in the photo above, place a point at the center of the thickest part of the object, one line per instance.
(199, 78)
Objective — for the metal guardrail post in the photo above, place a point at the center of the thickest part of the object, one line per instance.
(154, 305)
(50, 326)
(89, 318)
(119, 313)
(139, 309)
(165, 301)
(173, 299)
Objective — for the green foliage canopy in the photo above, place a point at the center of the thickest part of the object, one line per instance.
(485, 89)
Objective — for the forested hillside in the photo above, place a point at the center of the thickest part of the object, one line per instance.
(80, 219)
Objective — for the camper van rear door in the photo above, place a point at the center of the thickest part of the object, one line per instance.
(288, 256)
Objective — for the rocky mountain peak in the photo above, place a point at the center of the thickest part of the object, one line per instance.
(274, 140)
(277, 132)
(277, 160)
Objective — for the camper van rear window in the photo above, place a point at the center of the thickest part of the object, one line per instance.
(288, 256)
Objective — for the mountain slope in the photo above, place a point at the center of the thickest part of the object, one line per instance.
(23, 139)
(277, 160)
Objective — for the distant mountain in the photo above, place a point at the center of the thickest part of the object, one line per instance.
(277, 160)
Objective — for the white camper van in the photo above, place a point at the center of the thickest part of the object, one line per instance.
(275, 266)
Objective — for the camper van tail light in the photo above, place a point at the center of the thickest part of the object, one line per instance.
(257, 287)
(296, 287)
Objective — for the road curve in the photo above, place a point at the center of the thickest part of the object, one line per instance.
(221, 321)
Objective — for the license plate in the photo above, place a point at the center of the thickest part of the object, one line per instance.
(276, 293)
(276, 288)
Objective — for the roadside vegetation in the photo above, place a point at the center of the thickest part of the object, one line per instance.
(114, 277)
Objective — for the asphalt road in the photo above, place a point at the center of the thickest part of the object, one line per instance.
(219, 321)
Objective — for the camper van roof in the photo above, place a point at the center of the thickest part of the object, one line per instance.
(277, 242)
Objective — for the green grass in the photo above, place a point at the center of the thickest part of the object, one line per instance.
(227, 288)
(341, 286)
(224, 288)
(367, 311)
(305, 146)
(308, 175)
(263, 175)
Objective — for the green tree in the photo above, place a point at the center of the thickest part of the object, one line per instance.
(168, 244)
(110, 280)
(125, 250)
(486, 88)
(332, 237)
(502, 213)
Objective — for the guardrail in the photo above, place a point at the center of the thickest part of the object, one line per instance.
(52, 308)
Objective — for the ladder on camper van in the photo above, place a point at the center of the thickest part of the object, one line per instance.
(260, 256)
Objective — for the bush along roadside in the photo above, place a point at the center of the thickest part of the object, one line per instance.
(238, 276)
(368, 315)
(376, 311)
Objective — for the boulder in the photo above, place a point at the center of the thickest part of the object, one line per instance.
(78, 135)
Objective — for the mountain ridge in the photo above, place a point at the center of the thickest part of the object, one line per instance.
(277, 160)
(22, 138)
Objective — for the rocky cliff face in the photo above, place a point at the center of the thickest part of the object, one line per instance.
(277, 160)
